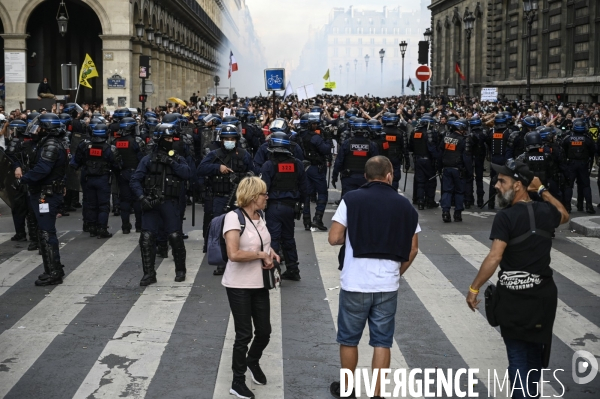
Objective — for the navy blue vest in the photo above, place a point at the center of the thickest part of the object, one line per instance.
(381, 222)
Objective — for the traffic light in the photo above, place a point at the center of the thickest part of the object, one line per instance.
(143, 98)
(423, 52)
(562, 98)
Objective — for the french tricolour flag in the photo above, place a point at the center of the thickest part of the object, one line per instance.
(232, 64)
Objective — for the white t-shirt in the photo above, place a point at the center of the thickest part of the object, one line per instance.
(366, 274)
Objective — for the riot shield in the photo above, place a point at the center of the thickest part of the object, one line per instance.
(74, 176)
(7, 180)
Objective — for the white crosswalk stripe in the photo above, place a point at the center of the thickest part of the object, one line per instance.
(20, 265)
(5, 237)
(569, 326)
(129, 361)
(590, 243)
(31, 335)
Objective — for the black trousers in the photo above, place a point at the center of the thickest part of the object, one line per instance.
(248, 306)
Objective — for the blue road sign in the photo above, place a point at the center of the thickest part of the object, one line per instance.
(274, 79)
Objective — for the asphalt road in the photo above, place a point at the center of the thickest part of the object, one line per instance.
(101, 335)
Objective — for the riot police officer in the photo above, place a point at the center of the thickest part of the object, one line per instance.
(76, 131)
(225, 167)
(457, 162)
(130, 149)
(394, 145)
(497, 142)
(45, 183)
(423, 146)
(21, 153)
(579, 149)
(278, 125)
(316, 149)
(287, 186)
(352, 157)
(99, 161)
(516, 140)
(478, 138)
(538, 161)
(157, 183)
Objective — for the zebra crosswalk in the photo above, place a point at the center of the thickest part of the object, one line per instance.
(100, 335)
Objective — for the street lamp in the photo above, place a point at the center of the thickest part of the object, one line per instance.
(139, 30)
(150, 34)
(469, 20)
(165, 42)
(530, 7)
(158, 38)
(381, 55)
(62, 19)
(355, 63)
(427, 35)
(367, 64)
(348, 76)
(403, 46)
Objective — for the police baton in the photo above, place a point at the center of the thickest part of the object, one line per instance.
(486, 202)
(437, 175)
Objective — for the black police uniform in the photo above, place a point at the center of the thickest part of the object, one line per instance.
(130, 150)
(579, 149)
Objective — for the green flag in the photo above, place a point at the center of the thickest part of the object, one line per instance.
(330, 85)
(326, 75)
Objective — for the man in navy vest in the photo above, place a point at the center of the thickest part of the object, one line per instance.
(379, 247)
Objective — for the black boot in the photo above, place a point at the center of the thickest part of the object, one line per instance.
(446, 217)
(492, 204)
(86, 227)
(421, 205)
(590, 209)
(162, 250)
(93, 228)
(318, 222)
(45, 262)
(148, 250)
(479, 202)
(291, 274)
(306, 220)
(457, 216)
(179, 253)
(19, 237)
(52, 266)
(467, 205)
(432, 204)
(103, 232)
(126, 228)
(116, 210)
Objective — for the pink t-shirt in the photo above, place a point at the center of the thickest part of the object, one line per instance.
(246, 274)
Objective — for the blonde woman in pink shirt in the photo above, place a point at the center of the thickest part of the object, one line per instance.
(243, 279)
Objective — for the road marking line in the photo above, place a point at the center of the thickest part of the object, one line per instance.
(5, 237)
(569, 326)
(327, 259)
(30, 336)
(129, 361)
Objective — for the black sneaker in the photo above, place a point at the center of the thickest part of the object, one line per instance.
(291, 274)
(335, 390)
(19, 237)
(239, 389)
(257, 374)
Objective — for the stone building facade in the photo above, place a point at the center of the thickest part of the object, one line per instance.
(564, 53)
(201, 33)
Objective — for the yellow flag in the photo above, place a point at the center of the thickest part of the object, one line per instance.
(330, 85)
(326, 75)
(88, 71)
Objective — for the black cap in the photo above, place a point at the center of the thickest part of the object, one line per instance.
(515, 169)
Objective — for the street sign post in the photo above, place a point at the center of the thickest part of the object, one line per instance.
(423, 73)
(274, 81)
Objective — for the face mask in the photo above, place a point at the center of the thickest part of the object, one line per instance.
(166, 145)
(229, 145)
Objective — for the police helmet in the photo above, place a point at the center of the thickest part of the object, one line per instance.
(229, 131)
(533, 140)
(304, 120)
(231, 120)
(151, 122)
(475, 121)
(546, 133)
(279, 142)
(51, 122)
(32, 115)
(218, 129)
(100, 132)
(94, 122)
(164, 130)
(531, 122)
(242, 114)
(360, 125)
(121, 113)
(171, 118)
(213, 118)
(278, 125)
(150, 114)
(317, 110)
(500, 120)
(426, 121)
(313, 120)
(65, 118)
(459, 124)
(351, 112)
(251, 118)
(72, 109)
(375, 127)
(351, 122)
(390, 119)
(18, 126)
(127, 126)
(183, 120)
(579, 126)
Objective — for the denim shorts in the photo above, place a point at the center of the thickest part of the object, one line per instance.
(356, 308)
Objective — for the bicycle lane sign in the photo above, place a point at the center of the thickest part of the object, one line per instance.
(274, 79)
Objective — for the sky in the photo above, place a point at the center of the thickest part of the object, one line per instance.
(283, 24)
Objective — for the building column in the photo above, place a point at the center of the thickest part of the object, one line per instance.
(120, 47)
(135, 73)
(15, 91)
(146, 50)
(154, 99)
(168, 75)
(160, 87)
